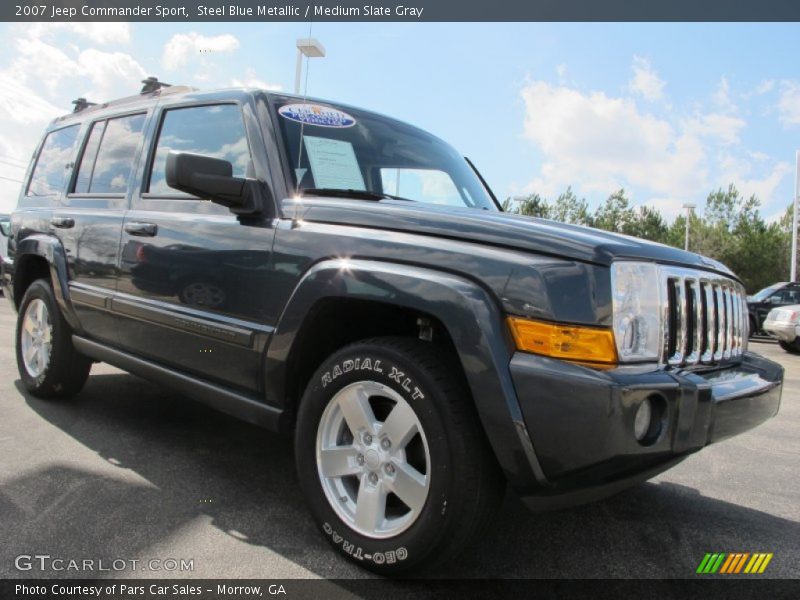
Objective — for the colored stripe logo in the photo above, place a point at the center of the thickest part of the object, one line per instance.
(734, 563)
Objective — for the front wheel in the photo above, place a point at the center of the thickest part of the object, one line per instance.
(48, 363)
(391, 456)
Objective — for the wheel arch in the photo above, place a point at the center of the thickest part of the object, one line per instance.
(42, 256)
(466, 315)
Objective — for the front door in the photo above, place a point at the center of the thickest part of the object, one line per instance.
(193, 278)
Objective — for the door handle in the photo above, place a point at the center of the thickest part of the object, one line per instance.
(141, 229)
(62, 222)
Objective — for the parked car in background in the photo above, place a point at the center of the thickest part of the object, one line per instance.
(5, 227)
(763, 301)
(784, 325)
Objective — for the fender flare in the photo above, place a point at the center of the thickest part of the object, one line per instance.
(50, 249)
(472, 318)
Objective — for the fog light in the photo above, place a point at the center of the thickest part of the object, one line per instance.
(644, 418)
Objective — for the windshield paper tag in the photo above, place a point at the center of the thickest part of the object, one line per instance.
(315, 114)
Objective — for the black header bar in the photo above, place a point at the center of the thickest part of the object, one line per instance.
(400, 10)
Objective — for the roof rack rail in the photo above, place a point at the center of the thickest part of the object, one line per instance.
(152, 84)
(82, 103)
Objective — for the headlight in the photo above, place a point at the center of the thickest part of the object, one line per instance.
(637, 314)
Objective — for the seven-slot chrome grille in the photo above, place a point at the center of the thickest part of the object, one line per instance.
(705, 317)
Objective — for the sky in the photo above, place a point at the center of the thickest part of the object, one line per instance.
(669, 112)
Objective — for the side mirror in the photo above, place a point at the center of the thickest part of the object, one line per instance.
(212, 178)
(775, 300)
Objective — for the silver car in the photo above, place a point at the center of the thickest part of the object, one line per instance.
(783, 323)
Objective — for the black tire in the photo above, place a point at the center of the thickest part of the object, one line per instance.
(466, 484)
(66, 371)
(792, 347)
(753, 327)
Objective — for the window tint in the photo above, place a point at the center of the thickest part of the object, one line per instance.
(423, 185)
(115, 157)
(89, 155)
(51, 167)
(216, 131)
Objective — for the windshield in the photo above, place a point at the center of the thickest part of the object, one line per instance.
(346, 149)
(767, 291)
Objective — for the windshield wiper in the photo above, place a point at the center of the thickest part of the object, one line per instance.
(350, 193)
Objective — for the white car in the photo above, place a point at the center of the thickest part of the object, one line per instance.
(783, 323)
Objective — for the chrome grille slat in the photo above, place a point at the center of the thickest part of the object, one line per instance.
(728, 323)
(695, 321)
(721, 323)
(703, 317)
(711, 324)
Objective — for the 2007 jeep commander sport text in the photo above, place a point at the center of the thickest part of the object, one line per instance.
(318, 268)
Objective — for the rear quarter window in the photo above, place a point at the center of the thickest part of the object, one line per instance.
(52, 165)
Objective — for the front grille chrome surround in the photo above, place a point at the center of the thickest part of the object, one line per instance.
(704, 318)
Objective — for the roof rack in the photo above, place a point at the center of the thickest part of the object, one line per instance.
(82, 103)
(152, 84)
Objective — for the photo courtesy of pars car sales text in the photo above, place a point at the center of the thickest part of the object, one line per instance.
(315, 298)
(152, 589)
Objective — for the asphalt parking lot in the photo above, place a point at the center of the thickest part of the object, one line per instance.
(131, 471)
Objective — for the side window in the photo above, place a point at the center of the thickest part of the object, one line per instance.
(216, 131)
(51, 168)
(109, 155)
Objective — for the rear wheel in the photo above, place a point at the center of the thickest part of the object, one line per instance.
(793, 347)
(48, 363)
(391, 456)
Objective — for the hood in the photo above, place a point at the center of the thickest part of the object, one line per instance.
(498, 229)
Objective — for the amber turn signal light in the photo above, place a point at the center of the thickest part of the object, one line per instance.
(590, 346)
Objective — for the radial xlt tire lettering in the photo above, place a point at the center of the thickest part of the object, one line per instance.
(391, 456)
(47, 361)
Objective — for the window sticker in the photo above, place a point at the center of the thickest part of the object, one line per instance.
(333, 164)
(316, 114)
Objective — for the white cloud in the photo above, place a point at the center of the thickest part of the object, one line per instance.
(763, 187)
(669, 208)
(722, 96)
(112, 74)
(98, 33)
(724, 128)
(251, 79)
(789, 103)
(765, 87)
(182, 46)
(608, 143)
(646, 81)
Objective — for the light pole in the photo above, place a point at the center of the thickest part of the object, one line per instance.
(793, 276)
(311, 48)
(689, 206)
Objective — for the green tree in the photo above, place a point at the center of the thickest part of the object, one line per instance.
(532, 206)
(616, 214)
(568, 209)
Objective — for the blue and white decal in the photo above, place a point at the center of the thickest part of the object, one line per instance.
(315, 114)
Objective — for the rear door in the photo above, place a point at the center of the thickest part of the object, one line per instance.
(89, 220)
(194, 283)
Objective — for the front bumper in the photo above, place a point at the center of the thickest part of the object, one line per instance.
(781, 330)
(580, 421)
